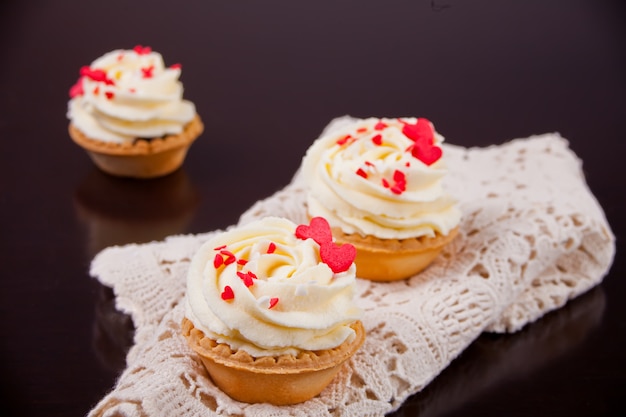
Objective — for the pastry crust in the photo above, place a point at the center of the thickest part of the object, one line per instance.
(281, 380)
(393, 259)
(143, 158)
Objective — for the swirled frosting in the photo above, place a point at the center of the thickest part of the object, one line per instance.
(129, 94)
(262, 289)
(381, 177)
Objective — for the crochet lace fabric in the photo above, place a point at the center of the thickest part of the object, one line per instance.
(532, 237)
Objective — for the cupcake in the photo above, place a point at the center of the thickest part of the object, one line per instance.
(378, 182)
(270, 310)
(126, 110)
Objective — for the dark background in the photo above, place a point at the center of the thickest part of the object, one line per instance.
(266, 77)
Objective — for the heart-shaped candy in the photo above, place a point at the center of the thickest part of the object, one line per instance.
(318, 230)
(338, 257)
(228, 293)
(421, 131)
(428, 154)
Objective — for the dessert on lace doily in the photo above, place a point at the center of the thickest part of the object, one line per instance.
(532, 237)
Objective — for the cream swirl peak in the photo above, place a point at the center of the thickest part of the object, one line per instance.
(381, 177)
(129, 94)
(268, 289)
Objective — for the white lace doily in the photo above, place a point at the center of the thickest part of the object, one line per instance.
(532, 237)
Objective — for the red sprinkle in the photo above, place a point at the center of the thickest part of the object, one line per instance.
(380, 126)
(120, 56)
(96, 90)
(344, 140)
(142, 50)
(97, 75)
(246, 278)
(220, 247)
(230, 257)
(273, 302)
(369, 164)
(109, 94)
(361, 173)
(385, 183)
(361, 130)
(228, 293)
(271, 248)
(218, 261)
(242, 262)
(147, 72)
(378, 140)
(132, 90)
(397, 189)
(399, 176)
(176, 66)
(77, 89)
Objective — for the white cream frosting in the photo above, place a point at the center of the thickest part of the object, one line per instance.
(129, 94)
(294, 302)
(351, 173)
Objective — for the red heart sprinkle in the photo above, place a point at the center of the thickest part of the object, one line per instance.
(378, 140)
(147, 71)
(246, 278)
(230, 257)
(77, 89)
(318, 230)
(338, 258)
(361, 173)
(176, 66)
(342, 141)
(228, 293)
(271, 247)
(273, 302)
(109, 95)
(97, 75)
(380, 126)
(218, 261)
(427, 154)
(142, 50)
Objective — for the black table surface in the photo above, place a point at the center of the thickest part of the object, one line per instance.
(266, 77)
